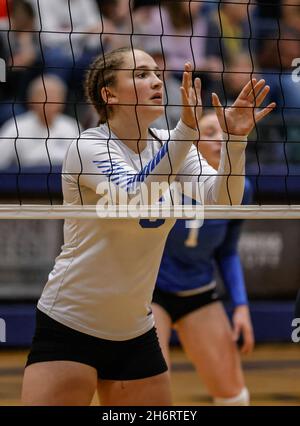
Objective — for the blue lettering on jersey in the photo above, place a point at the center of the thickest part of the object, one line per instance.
(120, 176)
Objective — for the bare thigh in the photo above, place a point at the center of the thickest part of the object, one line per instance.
(59, 383)
(206, 337)
(153, 390)
(163, 324)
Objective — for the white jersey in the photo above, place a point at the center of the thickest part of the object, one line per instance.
(103, 280)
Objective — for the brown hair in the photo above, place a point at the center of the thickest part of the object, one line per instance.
(102, 73)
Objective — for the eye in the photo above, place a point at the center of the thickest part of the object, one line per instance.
(209, 132)
(158, 74)
(142, 74)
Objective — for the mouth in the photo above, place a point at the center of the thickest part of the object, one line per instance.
(156, 97)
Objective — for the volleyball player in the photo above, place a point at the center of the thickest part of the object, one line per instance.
(94, 320)
(186, 297)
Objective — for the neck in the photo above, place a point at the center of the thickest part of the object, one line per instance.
(132, 134)
(215, 164)
(46, 122)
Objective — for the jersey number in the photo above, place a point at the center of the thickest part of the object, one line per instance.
(193, 226)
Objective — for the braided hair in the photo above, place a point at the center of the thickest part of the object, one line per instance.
(102, 73)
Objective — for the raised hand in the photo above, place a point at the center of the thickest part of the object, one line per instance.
(191, 98)
(240, 118)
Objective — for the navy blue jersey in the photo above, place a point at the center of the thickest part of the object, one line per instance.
(191, 256)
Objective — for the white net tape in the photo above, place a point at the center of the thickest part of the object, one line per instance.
(33, 211)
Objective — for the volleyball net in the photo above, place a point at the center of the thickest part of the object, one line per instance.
(46, 48)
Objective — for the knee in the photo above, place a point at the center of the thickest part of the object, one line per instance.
(243, 398)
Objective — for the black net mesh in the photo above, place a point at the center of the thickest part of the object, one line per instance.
(46, 48)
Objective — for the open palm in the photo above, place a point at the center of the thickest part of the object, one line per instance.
(240, 118)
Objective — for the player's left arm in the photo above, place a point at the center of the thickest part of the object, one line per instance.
(225, 186)
(229, 264)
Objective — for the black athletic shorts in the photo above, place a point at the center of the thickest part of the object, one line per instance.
(132, 359)
(179, 306)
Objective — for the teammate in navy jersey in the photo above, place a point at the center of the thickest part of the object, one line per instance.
(186, 297)
(95, 328)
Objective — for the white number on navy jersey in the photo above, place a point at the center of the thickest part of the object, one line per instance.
(193, 226)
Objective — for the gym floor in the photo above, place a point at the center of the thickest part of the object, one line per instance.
(272, 376)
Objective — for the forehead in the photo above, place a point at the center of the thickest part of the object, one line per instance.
(48, 90)
(138, 58)
(209, 121)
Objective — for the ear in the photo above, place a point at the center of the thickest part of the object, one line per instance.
(108, 96)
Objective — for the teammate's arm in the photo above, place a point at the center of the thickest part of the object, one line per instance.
(230, 267)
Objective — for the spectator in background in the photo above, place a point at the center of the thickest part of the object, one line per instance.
(19, 49)
(70, 35)
(41, 136)
(274, 59)
(183, 30)
(269, 10)
(117, 22)
(238, 72)
(230, 26)
(3, 9)
(291, 14)
(277, 30)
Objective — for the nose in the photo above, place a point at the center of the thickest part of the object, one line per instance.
(156, 82)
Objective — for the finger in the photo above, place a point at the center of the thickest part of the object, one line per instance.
(236, 331)
(190, 79)
(185, 81)
(248, 342)
(255, 90)
(245, 349)
(185, 77)
(261, 114)
(220, 112)
(235, 335)
(188, 70)
(217, 104)
(261, 97)
(186, 85)
(188, 66)
(184, 97)
(193, 97)
(247, 89)
(197, 84)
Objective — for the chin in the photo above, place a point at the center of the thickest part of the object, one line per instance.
(152, 112)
